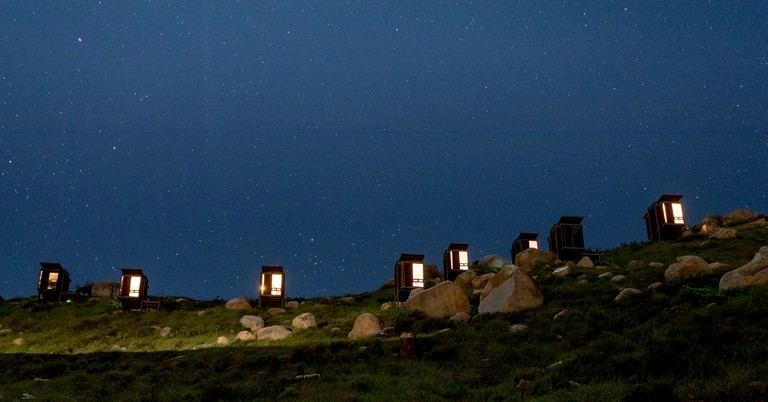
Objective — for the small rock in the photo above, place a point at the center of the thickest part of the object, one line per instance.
(200, 313)
(606, 275)
(636, 264)
(618, 278)
(387, 306)
(222, 340)
(244, 336)
(5, 331)
(252, 322)
(275, 311)
(656, 264)
(307, 376)
(460, 318)
(626, 294)
(304, 321)
(118, 348)
(657, 287)
(585, 262)
(165, 331)
(292, 305)
(560, 316)
(273, 333)
(518, 328)
(711, 305)
(562, 271)
(19, 342)
(348, 300)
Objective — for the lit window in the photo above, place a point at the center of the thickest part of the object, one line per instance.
(133, 290)
(53, 277)
(677, 212)
(277, 284)
(418, 275)
(463, 260)
(533, 244)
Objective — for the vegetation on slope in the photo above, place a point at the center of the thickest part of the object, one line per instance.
(691, 342)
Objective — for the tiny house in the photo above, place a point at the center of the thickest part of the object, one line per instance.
(524, 241)
(664, 219)
(272, 287)
(52, 282)
(133, 289)
(409, 274)
(566, 238)
(455, 260)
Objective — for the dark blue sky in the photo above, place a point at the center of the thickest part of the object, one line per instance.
(200, 140)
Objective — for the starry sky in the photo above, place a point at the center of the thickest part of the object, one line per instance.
(200, 140)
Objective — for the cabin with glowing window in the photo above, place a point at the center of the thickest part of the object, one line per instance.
(409, 274)
(133, 289)
(566, 238)
(272, 287)
(664, 219)
(455, 260)
(52, 282)
(524, 241)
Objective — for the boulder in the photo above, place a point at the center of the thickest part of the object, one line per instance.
(19, 342)
(723, 234)
(107, 290)
(273, 333)
(531, 258)
(618, 278)
(252, 322)
(460, 318)
(657, 287)
(636, 264)
(739, 217)
(562, 271)
(585, 262)
(491, 261)
(441, 301)
(464, 280)
(387, 306)
(606, 275)
(275, 311)
(511, 290)
(687, 266)
(5, 331)
(366, 325)
(245, 336)
(292, 305)
(709, 224)
(348, 300)
(165, 331)
(238, 303)
(480, 281)
(518, 328)
(222, 340)
(626, 294)
(754, 272)
(304, 321)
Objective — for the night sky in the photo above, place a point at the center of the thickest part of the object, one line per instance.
(200, 140)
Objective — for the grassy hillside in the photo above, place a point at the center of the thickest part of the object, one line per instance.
(692, 343)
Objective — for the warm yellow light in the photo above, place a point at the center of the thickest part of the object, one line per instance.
(677, 212)
(533, 244)
(53, 277)
(277, 284)
(135, 286)
(463, 260)
(418, 275)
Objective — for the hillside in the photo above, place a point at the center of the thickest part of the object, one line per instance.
(688, 341)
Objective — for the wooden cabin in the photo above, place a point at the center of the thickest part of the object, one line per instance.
(455, 260)
(52, 282)
(524, 241)
(133, 289)
(566, 238)
(409, 274)
(272, 287)
(664, 219)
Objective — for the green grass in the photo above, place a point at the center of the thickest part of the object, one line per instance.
(675, 345)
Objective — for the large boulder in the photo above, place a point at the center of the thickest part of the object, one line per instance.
(464, 280)
(107, 290)
(723, 234)
(481, 280)
(739, 217)
(510, 291)
(238, 303)
(252, 322)
(491, 261)
(585, 262)
(304, 321)
(529, 259)
(366, 325)
(754, 272)
(687, 266)
(441, 301)
(273, 333)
